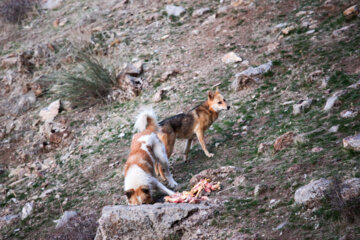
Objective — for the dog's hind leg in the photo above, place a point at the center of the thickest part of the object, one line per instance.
(160, 153)
(187, 148)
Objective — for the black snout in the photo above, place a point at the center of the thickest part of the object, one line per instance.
(228, 107)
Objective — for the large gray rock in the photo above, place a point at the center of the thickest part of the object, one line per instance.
(158, 221)
(312, 192)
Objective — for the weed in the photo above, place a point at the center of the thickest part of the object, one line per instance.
(89, 84)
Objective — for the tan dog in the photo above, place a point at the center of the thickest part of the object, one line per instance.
(195, 122)
(146, 152)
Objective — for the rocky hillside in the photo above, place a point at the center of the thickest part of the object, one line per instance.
(73, 75)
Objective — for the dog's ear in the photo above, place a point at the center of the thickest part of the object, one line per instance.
(129, 193)
(211, 95)
(217, 90)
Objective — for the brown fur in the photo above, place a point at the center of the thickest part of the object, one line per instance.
(185, 125)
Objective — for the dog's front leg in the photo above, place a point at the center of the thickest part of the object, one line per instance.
(187, 148)
(200, 135)
(161, 187)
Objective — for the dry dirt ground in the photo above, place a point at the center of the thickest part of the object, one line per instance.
(84, 171)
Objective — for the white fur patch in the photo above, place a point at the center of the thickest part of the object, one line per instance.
(141, 120)
(136, 177)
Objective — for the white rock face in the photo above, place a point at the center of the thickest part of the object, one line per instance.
(312, 192)
(231, 57)
(49, 113)
(176, 11)
(27, 210)
(352, 142)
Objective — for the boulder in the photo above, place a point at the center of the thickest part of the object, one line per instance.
(176, 11)
(214, 174)
(301, 106)
(158, 221)
(312, 192)
(350, 189)
(352, 142)
(231, 57)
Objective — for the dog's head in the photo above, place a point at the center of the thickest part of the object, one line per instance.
(217, 102)
(140, 195)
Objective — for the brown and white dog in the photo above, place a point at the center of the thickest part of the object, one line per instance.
(146, 152)
(195, 122)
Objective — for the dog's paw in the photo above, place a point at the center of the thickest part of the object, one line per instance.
(173, 184)
(209, 154)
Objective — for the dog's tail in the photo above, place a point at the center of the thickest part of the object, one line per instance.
(146, 120)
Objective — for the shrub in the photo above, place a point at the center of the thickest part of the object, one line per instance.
(89, 83)
(14, 11)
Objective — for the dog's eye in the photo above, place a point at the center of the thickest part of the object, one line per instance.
(219, 102)
(224, 100)
(145, 190)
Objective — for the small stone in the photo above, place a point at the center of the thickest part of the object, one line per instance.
(27, 210)
(281, 226)
(263, 147)
(324, 82)
(272, 47)
(351, 113)
(65, 218)
(242, 82)
(159, 95)
(330, 102)
(201, 11)
(231, 57)
(352, 142)
(209, 20)
(284, 141)
(252, 71)
(51, 4)
(334, 129)
(259, 189)
(133, 70)
(317, 149)
(239, 181)
(273, 203)
(355, 85)
(50, 112)
(314, 75)
(288, 30)
(301, 106)
(223, 10)
(166, 75)
(340, 33)
(352, 11)
(176, 11)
